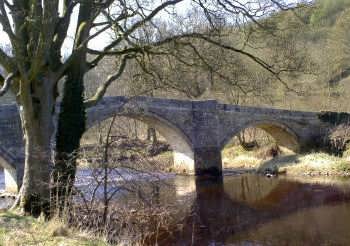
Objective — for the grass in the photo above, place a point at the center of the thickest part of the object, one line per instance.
(237, 157)
(316, 164)
(293, 164)
(24, 230)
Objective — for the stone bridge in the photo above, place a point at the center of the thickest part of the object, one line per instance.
(196, 130)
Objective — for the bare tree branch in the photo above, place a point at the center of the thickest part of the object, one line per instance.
(135, 26)
(7, 84)
(100, 92)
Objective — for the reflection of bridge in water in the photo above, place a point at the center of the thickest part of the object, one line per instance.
(196, 130)
(222, 211)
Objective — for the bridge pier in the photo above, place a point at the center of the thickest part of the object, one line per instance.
(201, 162)
(208, 162)
(207, 153)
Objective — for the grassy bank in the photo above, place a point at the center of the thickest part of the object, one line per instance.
(22, 230)
(312, 164)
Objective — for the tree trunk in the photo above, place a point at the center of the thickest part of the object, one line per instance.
(71, 123)
(71, 126)
(37, 107)
(152, 135)
(136, 134)
(35, 191)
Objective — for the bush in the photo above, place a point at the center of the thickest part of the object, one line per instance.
(338, 139)
(271, 151)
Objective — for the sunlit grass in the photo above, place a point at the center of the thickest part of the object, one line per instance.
(237, 157)
(24, 230)
(295, 164)
(319, 164)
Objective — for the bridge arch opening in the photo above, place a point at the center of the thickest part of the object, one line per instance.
(180, 145)
(281, 133)
(8, 175)
(11, 149)
(266, 138)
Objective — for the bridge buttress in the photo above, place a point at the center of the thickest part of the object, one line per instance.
(207, 151)
(208, 161)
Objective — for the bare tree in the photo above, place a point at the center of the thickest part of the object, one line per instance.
(37, 31)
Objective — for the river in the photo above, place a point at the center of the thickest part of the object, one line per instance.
(250, 209)
(255, 210)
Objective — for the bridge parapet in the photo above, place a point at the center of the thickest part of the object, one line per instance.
(267, 111)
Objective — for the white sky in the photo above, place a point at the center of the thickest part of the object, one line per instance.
(100, 41)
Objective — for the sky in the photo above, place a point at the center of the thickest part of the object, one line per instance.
(100, 41)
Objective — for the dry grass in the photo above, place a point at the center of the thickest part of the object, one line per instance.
(307, 164)
(23, 230)
(237, 157)
(317, 164)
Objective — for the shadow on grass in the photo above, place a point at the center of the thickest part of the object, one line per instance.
(12, 218)
(228, 171)
(279, 162)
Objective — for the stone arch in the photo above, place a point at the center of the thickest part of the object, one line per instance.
(283, 135)
(12, 171)
(180, 143)
(11, 147)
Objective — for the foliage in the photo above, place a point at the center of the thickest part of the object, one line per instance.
(327, 11)
(338, 139)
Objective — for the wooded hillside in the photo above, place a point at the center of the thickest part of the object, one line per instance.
(308, 46)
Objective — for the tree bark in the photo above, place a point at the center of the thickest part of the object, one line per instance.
(71, 126)
(35, 191)
(152, 135)
(37, 107)
(71, 122)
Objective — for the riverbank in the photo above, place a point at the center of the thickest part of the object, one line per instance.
(311, 164)
(24, 230)
(141, 155)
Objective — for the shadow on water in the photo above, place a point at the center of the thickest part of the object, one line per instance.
(254, 210)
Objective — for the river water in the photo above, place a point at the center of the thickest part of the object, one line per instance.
(255, 210)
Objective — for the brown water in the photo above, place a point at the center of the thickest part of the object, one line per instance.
(255, 210)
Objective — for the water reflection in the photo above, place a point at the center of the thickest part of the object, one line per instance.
(254, 210)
